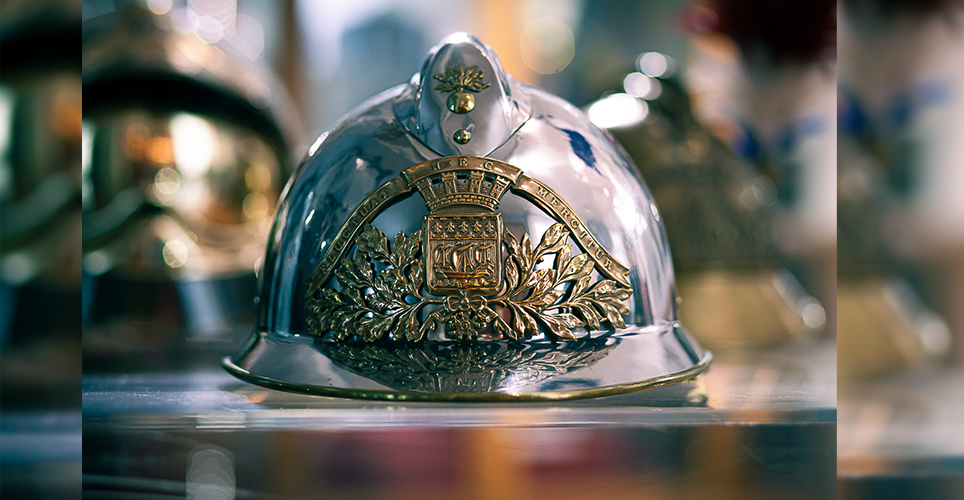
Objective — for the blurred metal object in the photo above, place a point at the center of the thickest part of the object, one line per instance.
(186, 147)
(884, 325)
(40, 224)
(718, 213)
(887, 328)
(462, 304)
(40, 145)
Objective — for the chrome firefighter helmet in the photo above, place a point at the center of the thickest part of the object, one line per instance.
(467, 237)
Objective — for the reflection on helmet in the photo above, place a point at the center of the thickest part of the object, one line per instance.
(459, 367)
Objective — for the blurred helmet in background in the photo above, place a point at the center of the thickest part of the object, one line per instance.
(40, 222)
(719, 213)
(186, 149)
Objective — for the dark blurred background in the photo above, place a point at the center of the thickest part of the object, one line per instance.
(40, 223)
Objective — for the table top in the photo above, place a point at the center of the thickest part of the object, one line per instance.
(910, 423)
(759, 425)
(794, 383)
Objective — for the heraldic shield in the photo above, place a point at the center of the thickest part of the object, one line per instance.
(532, 265)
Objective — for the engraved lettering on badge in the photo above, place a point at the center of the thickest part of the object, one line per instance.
(588, 242)
(547, 199)
(365, 212)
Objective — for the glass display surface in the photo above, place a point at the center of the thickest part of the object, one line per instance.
(756, 425)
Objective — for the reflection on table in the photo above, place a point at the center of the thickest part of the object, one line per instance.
(757, 426)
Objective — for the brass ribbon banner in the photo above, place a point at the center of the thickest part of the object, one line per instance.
(463, 268)
(454, 163)
(550, 202)
(532, 190)
(373, 204)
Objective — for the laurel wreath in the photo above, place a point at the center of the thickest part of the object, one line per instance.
(372, 303)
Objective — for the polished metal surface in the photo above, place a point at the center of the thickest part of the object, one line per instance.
(567, 171)
(491, 118)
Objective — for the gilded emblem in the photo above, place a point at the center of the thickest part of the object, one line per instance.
(463, 252)
(463, 269)
(460, 82)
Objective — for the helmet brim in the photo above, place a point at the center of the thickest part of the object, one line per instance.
(636, 359)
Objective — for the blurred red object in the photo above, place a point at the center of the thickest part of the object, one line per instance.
(793, 30)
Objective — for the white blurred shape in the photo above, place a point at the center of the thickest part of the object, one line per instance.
(642, 86)
(654, 64)
(214, 8)
(167, 181)
(181, 21)
(86, 146)
(210, 474)
(97, 262)
(160, 7)
(174, 253)
(547, 45)
(934, 333)
(248, 37)
(813, 314)
(194, 145)
(618, 110)
(6, 118)
(208, 29)
(18, 268)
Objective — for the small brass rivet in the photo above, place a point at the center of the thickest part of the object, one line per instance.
(462, 136)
